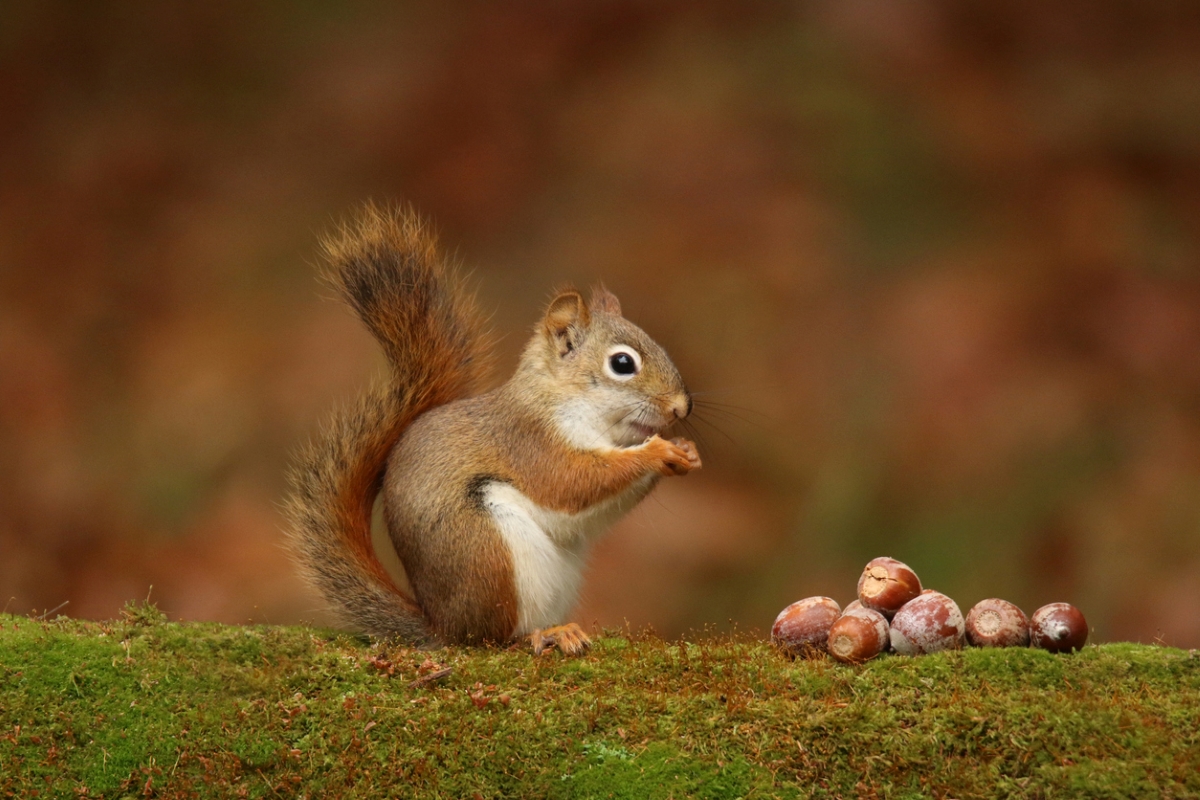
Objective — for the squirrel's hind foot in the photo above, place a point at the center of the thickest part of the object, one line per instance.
(569, 638)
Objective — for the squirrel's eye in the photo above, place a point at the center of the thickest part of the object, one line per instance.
(623, 364)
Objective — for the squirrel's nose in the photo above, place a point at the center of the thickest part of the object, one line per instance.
(681, 406)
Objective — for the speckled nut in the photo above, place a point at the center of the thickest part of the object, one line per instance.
(887, 584)
(802, 628)
(853, 605)
(1058, 627)
(997, 623)
(928, 623)
(858, 635)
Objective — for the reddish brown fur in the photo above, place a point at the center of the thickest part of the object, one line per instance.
(573, 480)
(386, 265)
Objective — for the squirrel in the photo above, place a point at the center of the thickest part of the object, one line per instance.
(491, 499)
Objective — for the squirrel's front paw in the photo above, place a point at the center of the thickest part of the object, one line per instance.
(679, 457)
(693, 455)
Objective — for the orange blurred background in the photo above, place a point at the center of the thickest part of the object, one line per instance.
(936, 265)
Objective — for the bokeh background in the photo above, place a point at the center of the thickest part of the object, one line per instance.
(934, 267)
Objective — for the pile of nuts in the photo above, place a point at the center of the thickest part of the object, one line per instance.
(893, 610)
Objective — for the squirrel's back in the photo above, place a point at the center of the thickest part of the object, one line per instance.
(386, 265)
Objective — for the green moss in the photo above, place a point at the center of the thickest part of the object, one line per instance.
(141, 706)
(661, 771)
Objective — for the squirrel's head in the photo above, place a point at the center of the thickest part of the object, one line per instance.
(611, 384)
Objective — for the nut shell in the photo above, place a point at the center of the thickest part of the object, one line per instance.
(1058, 627)
(802, 628)
(858, 635)
(997, 623)
(928, 623)
(887, 584)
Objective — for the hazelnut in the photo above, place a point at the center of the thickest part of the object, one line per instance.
(997, 623)
(887, 584)
(858, 635)
(1058, 627)
(802, 628)
(928, 623)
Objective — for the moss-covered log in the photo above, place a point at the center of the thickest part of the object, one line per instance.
(141, 707)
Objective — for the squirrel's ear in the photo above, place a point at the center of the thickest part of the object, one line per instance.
(566, 320)
(605, 301)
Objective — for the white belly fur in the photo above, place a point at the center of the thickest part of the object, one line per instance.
(549, 548)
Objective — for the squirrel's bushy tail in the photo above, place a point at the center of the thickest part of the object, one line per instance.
(385, 264)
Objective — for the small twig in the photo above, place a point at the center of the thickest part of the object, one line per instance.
(56, 608)
(432, 677)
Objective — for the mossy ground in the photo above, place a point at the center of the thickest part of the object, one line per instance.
(140, 707)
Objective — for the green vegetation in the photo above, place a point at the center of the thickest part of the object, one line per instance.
(141, 707)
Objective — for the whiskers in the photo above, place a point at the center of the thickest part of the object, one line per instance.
(717, 416)
(712, 417)
(709, 418)
(637, 412)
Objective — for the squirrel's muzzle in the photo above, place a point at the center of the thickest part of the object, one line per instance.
(681, 405)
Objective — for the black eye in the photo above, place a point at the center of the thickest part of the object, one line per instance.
(622, 363)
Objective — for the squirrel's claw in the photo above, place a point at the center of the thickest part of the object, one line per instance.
(683, 459)
(689, 447)
(569, 638)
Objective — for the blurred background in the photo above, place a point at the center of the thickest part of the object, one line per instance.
(933, 267)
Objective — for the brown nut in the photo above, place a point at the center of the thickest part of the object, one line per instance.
(858, 635)
(928, 623)
(802, 628)
(1058, 627)
(887, 584)
(997, 623)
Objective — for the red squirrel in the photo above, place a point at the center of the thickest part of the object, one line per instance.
(491, 499)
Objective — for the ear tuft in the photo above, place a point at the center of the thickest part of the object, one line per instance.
(566, 321)
(605, 301)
